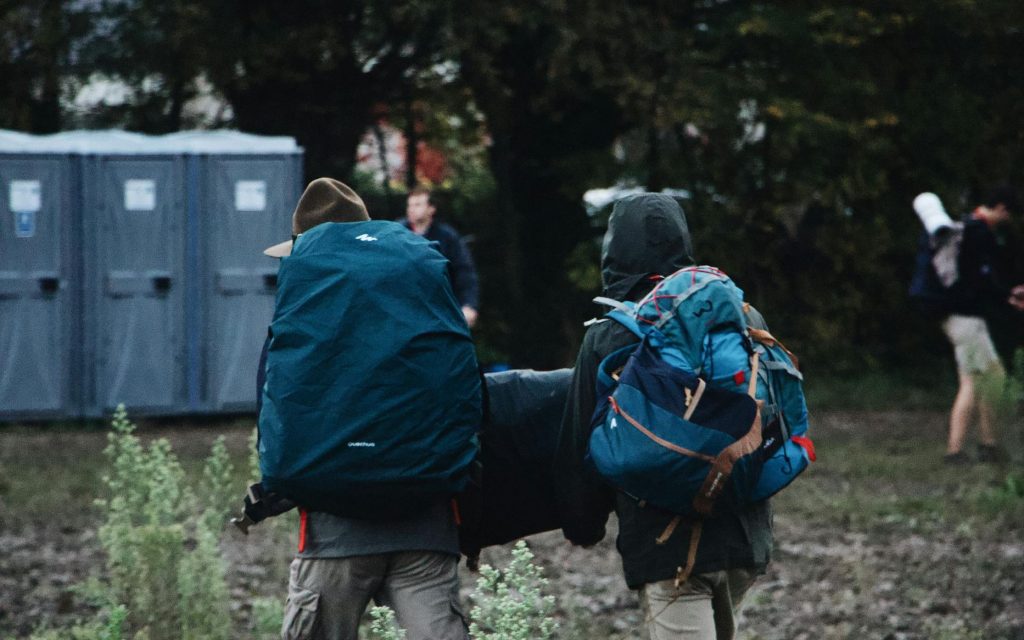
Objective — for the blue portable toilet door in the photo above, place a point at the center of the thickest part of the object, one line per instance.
(138, 256)
(246, 207)
(36, 288)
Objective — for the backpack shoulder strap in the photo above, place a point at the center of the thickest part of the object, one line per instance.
(623, 313)
(613, 303)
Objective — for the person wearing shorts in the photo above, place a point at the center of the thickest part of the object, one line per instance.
(976, 361)
(982, 290)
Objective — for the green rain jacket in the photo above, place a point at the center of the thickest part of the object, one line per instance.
(647, 236)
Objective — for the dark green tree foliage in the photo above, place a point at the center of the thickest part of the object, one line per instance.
(36, 41)
(551, 118)
(158, 48)
(802, 130)
(320, 71)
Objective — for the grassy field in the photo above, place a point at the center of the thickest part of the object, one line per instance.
(878, 540)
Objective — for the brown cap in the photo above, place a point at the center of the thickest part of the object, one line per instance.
(324, 200)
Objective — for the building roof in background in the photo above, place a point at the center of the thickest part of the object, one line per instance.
(116, 142)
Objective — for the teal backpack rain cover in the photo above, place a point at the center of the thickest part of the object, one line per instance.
(372, 399)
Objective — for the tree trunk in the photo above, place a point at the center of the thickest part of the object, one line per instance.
(382, 151)
(411, 143)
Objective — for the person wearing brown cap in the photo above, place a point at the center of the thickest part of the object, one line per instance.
(324, 200)
(409, 563)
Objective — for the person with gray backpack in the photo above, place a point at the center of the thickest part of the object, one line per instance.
(691, 572)
(962, 279)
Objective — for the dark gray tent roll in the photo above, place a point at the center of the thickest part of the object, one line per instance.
(513, 494)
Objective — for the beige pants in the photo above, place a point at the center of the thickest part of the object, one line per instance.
(327, 596)
(702, 608)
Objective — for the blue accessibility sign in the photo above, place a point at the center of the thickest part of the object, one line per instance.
(24, 224)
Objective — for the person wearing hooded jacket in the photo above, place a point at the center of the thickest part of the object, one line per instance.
(647, 239)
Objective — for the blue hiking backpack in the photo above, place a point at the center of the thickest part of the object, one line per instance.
(705, 413)
(372, 398)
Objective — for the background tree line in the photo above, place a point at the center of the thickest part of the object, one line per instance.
(801, 130)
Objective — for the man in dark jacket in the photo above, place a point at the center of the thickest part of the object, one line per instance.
(648, 238)
(419, 217)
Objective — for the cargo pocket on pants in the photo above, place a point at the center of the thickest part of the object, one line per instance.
(300, 614)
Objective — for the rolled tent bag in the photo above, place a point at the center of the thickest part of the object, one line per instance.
(512, 492)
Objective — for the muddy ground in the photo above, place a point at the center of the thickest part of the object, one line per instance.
(879, 540)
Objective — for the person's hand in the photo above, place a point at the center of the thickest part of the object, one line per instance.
(470, 314)
(1017, 297)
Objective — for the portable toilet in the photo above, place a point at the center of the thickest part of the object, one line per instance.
(40, 286)
(131, 269)
(134, 207)
(179, 295)
(244, 190)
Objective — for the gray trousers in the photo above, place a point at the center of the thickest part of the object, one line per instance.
(327, 596)
(702, 608)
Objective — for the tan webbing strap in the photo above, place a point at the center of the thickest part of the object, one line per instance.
(767, 338)
(650, 434)
(683, 573)
(669, 530)
(762, 336)
(721, 468)
(755, 362)
(694, 398)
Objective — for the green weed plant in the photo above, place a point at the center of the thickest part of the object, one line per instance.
(509, 604)
(110, 625)
(384, 626)
(161, 538)
(267, 618)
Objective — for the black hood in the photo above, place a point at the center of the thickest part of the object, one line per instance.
(647, 235)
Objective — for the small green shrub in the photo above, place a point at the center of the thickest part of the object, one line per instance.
(509, 604)
(108, 626)
(160, 540)
(384, 625)
(1005, 500)
(218, 491)
(267, 618)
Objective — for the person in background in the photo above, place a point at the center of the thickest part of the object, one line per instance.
(982, 293)
(419, 218)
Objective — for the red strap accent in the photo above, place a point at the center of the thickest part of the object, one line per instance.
(303, 517)
(808, 446)
(455, 512)
(739, 377)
